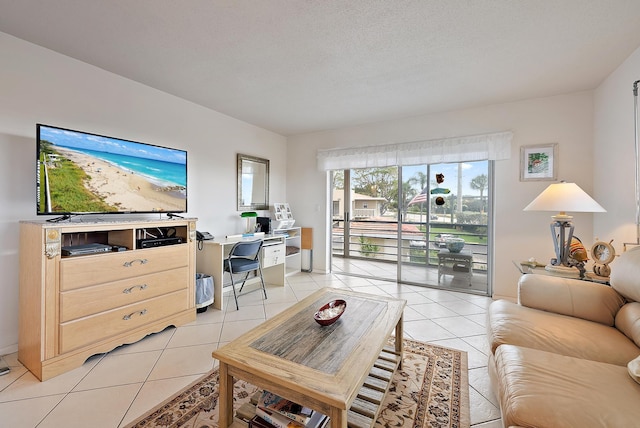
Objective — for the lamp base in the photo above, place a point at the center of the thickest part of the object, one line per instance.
(569, 272)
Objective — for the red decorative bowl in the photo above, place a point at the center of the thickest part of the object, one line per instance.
(330, 312)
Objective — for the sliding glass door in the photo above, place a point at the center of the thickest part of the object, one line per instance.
(445, 205)
(395, 224)
(364, 232)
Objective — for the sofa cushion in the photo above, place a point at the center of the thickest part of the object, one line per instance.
(542, 389)
(514, 324)
(628, 321)
(566, 296)
(625, 273)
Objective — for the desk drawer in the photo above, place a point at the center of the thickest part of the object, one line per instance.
(91, 300)
(84, 331)
(273, 255)
(81, 271)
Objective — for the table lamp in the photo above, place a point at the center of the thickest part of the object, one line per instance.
(562, 197)
(251, 220)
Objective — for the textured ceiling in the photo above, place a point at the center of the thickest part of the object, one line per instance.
(296, 66)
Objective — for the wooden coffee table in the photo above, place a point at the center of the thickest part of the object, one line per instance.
(323, 368)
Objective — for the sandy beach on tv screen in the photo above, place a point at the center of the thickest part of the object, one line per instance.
(123, 189)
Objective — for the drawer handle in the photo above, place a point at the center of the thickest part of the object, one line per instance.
(128, 317)
(130, 289)
(129, 264)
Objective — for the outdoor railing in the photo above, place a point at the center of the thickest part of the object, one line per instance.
(378, 240)
(364, 213)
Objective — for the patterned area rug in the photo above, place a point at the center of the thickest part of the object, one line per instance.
(431, 391)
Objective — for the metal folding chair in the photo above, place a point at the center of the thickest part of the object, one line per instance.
(244, 257)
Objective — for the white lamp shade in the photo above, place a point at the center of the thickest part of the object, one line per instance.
(562, 197)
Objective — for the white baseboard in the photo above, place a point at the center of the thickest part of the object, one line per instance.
(9, 349)
(501, 297)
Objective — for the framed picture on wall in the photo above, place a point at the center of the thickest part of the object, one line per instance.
(539, 162)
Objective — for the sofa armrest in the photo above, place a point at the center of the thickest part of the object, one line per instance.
(582, 299)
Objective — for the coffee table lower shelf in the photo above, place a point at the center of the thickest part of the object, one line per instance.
(365, 408)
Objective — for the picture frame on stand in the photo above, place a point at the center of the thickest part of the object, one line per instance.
(283, 215)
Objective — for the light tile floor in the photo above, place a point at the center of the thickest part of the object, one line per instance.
(113, 389)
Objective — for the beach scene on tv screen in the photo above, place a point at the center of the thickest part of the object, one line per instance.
(85, 173)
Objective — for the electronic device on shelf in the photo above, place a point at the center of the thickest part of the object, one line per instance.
(158, 242)
(157, 237)
(155, 175)
(264, 223)
(84, 249)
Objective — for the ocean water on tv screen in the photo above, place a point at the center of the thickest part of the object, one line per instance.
(160, 172)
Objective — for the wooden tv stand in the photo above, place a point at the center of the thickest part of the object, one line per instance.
(72, 307)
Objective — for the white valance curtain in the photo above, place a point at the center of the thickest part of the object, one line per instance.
(494, 146)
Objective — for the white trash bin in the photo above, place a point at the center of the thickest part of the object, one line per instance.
(204, 291)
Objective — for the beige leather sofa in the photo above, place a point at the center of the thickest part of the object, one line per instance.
(564, 355)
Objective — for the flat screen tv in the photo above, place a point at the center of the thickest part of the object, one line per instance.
(83, 173)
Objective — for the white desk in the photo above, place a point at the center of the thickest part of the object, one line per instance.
(210, 261)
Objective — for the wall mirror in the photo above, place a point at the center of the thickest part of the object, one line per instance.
(253, 183)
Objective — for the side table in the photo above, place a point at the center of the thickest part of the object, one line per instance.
(527, 267)
(455, 263)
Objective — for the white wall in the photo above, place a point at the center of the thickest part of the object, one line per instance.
(38, 85)
(567, 120)
(614, 154)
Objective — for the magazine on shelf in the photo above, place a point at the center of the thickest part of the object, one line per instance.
(258, 422)
(291, 410)
(318, 420)
(276, 419)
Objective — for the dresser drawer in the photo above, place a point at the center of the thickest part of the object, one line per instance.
(273, 255)
(98, 298)
(84, 331)
(77, 272)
